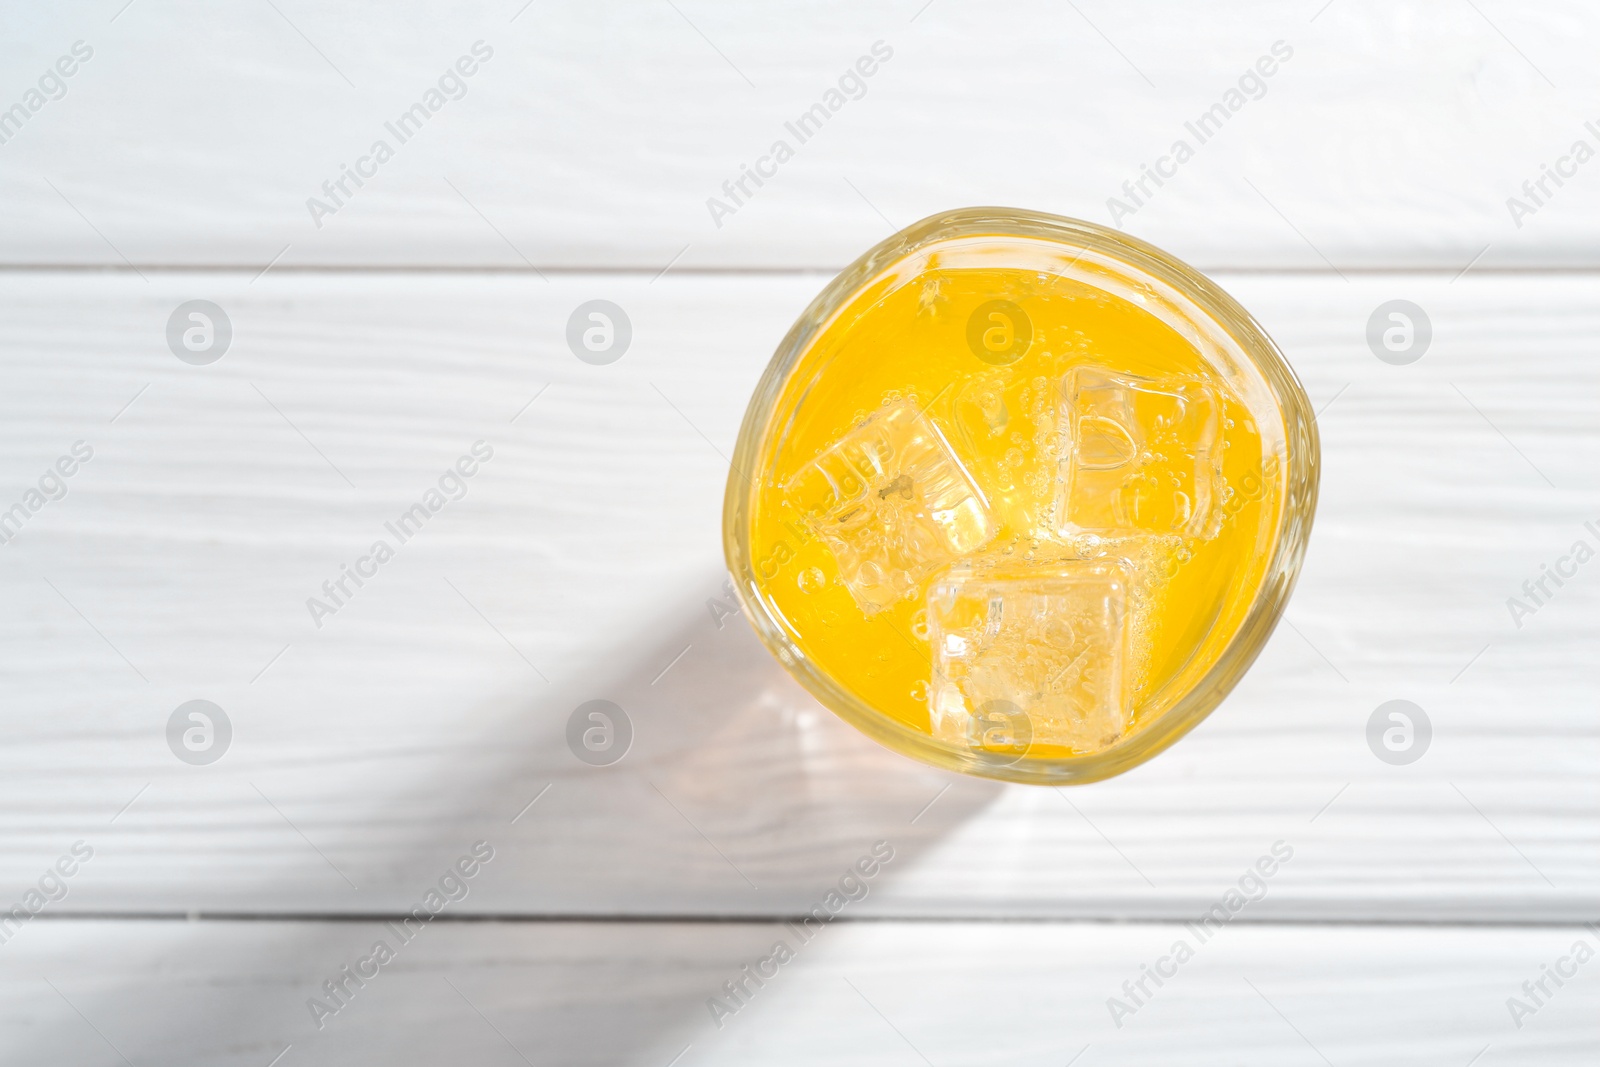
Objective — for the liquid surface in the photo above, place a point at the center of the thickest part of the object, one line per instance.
(1013, 510)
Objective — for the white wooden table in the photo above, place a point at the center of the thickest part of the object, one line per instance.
(373, 345)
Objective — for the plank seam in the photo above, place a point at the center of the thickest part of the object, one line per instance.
(669, 918)
(653, 272)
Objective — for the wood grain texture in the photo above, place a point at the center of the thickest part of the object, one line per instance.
(430, 712)
(597, 132)
(431, 709)
(858, 993)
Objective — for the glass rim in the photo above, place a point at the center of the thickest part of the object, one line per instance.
(1272, 593)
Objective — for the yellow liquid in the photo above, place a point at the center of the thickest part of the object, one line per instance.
(1101, 443)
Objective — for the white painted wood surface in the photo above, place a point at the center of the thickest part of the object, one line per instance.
(859, 993)
(428, 312)
(374, 748)
(597, 131)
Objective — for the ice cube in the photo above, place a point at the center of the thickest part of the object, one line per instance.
(1143, 455)
(893, 504)
(1051, 640)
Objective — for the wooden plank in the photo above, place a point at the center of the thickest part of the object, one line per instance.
(431, 710)
(873, 993)
(596, 134)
